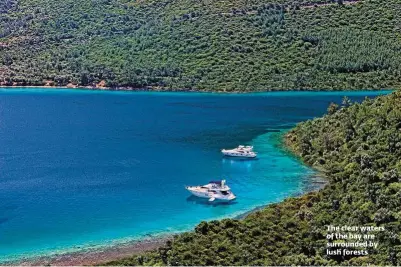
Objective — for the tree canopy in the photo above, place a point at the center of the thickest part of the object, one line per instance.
(237, 45)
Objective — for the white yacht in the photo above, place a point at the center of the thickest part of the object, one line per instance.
(214, 190)
(240, 151)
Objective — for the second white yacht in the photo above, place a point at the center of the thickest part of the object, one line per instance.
(240, 151)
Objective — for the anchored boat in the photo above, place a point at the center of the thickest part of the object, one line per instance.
(240, 151)
(214, 190)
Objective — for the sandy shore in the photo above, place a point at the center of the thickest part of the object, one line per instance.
(94, 256)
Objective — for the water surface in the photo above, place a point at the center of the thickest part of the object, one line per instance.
(81, 168)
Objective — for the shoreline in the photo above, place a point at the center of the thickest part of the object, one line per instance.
(181, 90)
(317, 183)
(94, 256)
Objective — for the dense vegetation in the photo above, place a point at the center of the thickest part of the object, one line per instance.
(222, 45)
(359, 147)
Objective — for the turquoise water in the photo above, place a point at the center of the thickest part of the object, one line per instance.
(83, 168)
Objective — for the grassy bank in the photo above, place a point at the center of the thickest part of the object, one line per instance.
(359, 147)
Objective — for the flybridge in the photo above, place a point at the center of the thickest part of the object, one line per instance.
(216, 182)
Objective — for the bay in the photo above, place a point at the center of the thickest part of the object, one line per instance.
(80, 168)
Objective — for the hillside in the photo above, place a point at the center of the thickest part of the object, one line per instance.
(241, 45)
(358, 146)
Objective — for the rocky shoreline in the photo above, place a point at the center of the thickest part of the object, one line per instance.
(163, 89)
(100, 88)
(130, 89)
(94, 256)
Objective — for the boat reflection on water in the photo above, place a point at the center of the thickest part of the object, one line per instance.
(239, 164)
(206, 202)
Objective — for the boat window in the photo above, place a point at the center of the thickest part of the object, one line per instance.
(225, 193)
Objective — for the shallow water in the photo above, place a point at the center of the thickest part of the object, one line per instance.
(81, 168)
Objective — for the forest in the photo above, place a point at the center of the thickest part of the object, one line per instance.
(203, 45)
(357, 146)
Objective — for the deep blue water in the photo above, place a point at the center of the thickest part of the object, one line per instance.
(81, 168)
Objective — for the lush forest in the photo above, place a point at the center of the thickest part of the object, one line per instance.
(359, 148)
(236, 45)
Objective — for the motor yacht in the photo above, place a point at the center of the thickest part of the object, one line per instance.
(240, 151)
(214, 190)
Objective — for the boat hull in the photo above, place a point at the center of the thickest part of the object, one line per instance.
(209, 195)
(239, 155)
(200, 194)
